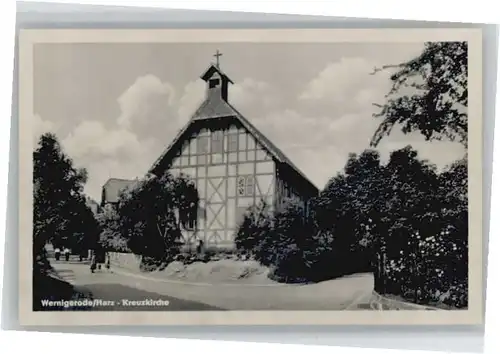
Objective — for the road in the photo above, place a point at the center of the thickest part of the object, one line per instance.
(347, 293)
(126, 290)
(116, 292)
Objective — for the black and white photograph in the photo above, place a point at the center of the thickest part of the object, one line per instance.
(237, 177)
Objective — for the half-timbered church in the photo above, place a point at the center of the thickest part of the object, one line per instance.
(234, 165)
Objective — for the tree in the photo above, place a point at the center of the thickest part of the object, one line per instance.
(110, 234)
(411, 206)
(350, 208)
(153, 213)
(60, 213)
(429, 94)
(256, 223)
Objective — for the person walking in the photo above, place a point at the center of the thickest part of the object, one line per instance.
(57, 253)
(93, 262)
(200, 250)
(67, 253)
(108, 261)
(98, 258)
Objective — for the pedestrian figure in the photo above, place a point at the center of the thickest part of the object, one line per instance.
(67, 253)
(93, 264)
(84, 254)
(200, 249)
(57, 253)
(98, 259)
(108, 261)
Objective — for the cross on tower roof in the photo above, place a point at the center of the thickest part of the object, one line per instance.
(217, 55)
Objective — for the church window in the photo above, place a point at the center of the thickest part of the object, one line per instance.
(246, 186)
(232, 142)
(213, 83)
(217, 141)
(250, 185)
(241, 186)
(202, 146)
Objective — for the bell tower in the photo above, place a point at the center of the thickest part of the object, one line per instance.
(217, 81)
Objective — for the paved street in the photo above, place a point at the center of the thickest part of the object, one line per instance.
(123, 290)
(116, 292)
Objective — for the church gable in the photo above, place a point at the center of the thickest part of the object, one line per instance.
(215, 143)
(231, 171)
(233, 165)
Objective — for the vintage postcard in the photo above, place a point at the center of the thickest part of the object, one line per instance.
(266, 176)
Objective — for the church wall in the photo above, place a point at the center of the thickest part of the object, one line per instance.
(232, 172)
(290, 186)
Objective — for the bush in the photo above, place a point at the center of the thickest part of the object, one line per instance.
(403, 217)
(291, 245)
(151, 215)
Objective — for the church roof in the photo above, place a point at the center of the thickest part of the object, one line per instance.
(210, 71)
(113, 187)
(218, 108)
(214, 107)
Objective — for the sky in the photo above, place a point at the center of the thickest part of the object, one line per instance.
(116, 107)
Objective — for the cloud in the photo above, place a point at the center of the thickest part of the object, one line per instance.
(333, 116)
(137, 98)
(127, 148)
(40, 127)
(318, 145)
(90, 139)
(254, 96)
(151, 114)
(346, 86)
(339, 80)
(147, 106)
(192, 96)
(108, 153)
(329, 118)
